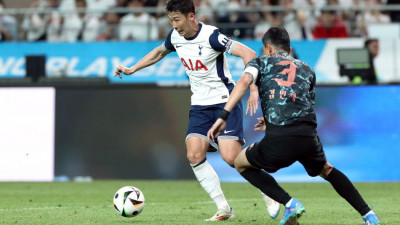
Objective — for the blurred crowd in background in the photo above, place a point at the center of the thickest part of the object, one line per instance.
(123, 20)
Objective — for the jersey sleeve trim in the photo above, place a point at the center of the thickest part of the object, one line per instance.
(168, 44)
(230, 46)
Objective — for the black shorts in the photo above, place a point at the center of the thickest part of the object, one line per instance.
(274, 153)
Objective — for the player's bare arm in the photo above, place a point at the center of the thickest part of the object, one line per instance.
(244, 52)
(248, 54)
(151, 58)
(252, 102)
(237, 93)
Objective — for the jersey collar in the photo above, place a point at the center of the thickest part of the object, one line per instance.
(197, 33)
(279, 53)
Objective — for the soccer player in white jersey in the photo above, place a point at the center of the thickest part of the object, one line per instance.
(201, 49)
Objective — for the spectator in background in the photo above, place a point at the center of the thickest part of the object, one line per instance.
(305, 24)
(42, 25)
(351, 18)
(203, 11)
(219, 7)
(8, 25)
(95, 7)
(394, 15)
(367, 76)
(304, 3)
(295, 21)
(100, 6)
(335, 3)
(139, 26)
(328, 26)
(235, 23)
(82, 26)
(109, 28)
(151, 3)
(35, 24)
(121, 3)
(162, 20)
(373, 49)
(254, 17)
(268, 19)
(79, 26)
(373, 16)
(53, 30)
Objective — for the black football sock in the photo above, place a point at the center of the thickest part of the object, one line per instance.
(267, 184)
(346, 189)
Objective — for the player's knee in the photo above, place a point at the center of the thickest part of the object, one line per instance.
(231, 163)
(194, 157)
(229, 153)
(326, 170)
(230, 160)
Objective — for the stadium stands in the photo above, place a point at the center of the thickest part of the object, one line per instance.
(68, 20)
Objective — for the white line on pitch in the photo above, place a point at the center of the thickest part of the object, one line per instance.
(37, 208)
(208, 202)
(147, 203)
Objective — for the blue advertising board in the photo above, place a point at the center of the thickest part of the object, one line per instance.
(101, 59)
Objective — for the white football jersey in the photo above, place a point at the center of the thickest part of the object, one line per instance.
(203, 57)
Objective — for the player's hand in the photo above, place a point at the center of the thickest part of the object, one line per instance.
(216, 129)
(122, 69)
(252, 102)
(260, 126)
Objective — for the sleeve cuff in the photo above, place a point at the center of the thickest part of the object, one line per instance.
(253, 71)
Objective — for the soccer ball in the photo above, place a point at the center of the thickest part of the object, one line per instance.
(129, 201)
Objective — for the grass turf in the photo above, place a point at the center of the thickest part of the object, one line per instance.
(183, 202)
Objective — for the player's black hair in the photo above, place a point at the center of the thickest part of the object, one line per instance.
(183, 6)
(278, 37)
(369, 41)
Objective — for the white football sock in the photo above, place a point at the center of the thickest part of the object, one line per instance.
(266, 198)
(209, 180)
(370, 212)
(289, 203)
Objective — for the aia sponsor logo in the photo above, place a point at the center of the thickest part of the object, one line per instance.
(193, 65)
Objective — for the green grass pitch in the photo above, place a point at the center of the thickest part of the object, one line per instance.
(183, 202)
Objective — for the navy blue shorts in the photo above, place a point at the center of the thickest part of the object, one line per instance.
(201, 119)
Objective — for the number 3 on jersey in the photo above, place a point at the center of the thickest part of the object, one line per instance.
(291, 72)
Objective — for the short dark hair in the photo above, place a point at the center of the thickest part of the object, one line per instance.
(183, 6)
(278, 37)
(369, 41)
